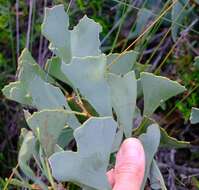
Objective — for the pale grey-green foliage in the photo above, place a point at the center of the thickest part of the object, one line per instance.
(88, 165)
(143, 17)
(157, 89)
(123, 95)
(194, 115)
(47, 126)
(17, 91)
(156, 179)
(107, 83)
(28, 149)
(51, 96)
(90, 81)
(150, 141)
(81, 45)
(55, 29)
(178, 14)
(118, 140)
(196, 62)
(123, 64)
(67, 43)
(53, 67)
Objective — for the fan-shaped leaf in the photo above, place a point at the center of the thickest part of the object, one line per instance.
(90, 81)
(48, 125)
(55, 29)
(88, 165)
(85, 38)
(124, 64)
(123, 95)
(17, 91)
(156, 90)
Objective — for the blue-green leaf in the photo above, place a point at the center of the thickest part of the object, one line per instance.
(27, 150)
(156, 179)
(194, 118)
(85, 38)
(196, 62)
(87, 166)
(90, 81)
(123, 64)
(123, 95)
(48, 125)
(17, 91)
(156, 90)
(55, 29)
(53, 68)
(150, 141)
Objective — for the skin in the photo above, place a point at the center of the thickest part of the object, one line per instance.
(129, 168)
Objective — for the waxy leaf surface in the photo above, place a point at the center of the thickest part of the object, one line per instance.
(194, 115)
(48, 125)
(150, 141)
(55, 29)
(87, 166)
(123, 64)
(90, 81)
(85, 38)
(156, 179)
(123, 95)
(156, 90)
(27, 150)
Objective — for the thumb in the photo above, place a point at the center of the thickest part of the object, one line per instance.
(130, 166)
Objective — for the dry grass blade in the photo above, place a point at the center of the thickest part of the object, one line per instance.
(143, 33)
(10, 177)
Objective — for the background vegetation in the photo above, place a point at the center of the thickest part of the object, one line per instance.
(169, 48)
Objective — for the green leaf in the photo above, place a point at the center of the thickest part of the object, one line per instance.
(123, 95)
(85, 38)
(143, 17)
(46, 96)
(65, 137)
(150, 141)
(82, 41)
(123, 64)
(178, 14)
(196, 62)
(156, 179)
(87, 166)
(53, 67)
(194, 118)
(156, 90)
(48, 125)
(117, 141)
(28, 68)
(26, 152)
(166, 141)
(55, 29)
(170, 142)
(17, 91)
(90, 81)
